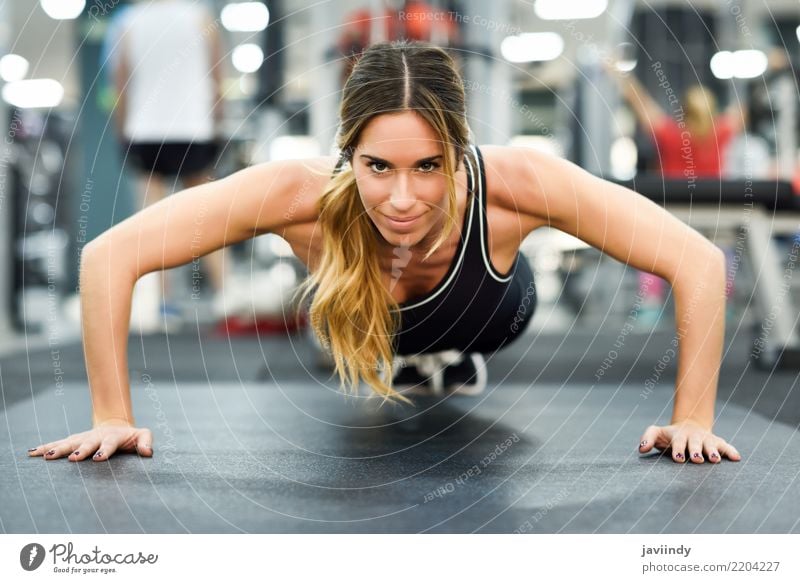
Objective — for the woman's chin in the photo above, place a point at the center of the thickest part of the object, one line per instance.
(400, 239)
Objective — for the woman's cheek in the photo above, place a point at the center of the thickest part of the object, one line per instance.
(370, 202)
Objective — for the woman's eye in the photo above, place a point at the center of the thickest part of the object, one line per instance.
(380, 167)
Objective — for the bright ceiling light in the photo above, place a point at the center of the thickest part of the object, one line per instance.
(750, 63)
(63, 9)
(247, 58)
(569, 9)
(13, 68)
(740, 64)
(722, 65)
(532, 46)
(32, 93)
(245, 16)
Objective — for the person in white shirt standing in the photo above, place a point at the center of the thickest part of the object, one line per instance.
(168, 82)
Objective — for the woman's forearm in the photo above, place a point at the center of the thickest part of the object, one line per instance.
(700, 335)
(106, 289)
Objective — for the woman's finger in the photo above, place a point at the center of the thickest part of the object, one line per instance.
(144, 443)
(44, 448)
(728, 450)
(679, 448)
(84, 450)
(696, 449)
(712, 453)
(37, 451)
(58, 449)
(649, 438)
(105, 451)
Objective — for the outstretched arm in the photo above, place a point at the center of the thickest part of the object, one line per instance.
(640, 233)
(169, 233)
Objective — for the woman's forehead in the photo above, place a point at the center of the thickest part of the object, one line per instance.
(394, 127)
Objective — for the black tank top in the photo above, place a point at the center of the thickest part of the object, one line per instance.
(474, 308)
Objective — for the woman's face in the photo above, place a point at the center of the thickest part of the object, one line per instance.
(398, 168)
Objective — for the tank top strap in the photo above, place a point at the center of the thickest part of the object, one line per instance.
(482, 230)
(471, 161)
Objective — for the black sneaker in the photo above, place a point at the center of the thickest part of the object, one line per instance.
(408, 379)
(467, 377)
(439, 373)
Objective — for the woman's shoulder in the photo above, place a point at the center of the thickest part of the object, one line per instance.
(511, 172)
(286, 190)
(521, 181)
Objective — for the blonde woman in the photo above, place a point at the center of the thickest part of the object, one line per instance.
(412, 241)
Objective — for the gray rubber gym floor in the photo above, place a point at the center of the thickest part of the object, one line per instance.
(248, 439)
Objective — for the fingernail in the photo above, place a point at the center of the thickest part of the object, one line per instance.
(643, 444)
(32, 449)
(51, 452)
(98, 454)
(76, 453)
(714, 455)
(679, 456)
(696, 455)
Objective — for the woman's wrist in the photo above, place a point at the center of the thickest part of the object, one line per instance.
(704, 423)
(109, 421)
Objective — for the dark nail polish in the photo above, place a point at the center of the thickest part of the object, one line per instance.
(713, 455)
(696, 455)
(643, 444)
(33, 449)
(76, 453)
(98, 454)
(679, 456)
(51, 452)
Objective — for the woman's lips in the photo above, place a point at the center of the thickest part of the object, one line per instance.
(402, 223)
(402, 219)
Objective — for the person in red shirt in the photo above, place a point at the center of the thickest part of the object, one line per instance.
(697, 148)
(692, 142)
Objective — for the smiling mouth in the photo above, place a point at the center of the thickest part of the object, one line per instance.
(402, 219)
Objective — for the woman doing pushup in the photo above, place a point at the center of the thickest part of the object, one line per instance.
(412, 240)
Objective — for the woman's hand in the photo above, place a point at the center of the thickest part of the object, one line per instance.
(691, 436)
(99, 443)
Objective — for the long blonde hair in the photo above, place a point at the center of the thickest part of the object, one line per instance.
(701, 110)
(352, 313)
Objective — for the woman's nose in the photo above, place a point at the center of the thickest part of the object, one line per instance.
(401, 197)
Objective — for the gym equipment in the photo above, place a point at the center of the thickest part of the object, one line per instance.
(758, 211)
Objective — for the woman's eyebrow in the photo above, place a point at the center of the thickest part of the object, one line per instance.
(387, 163)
